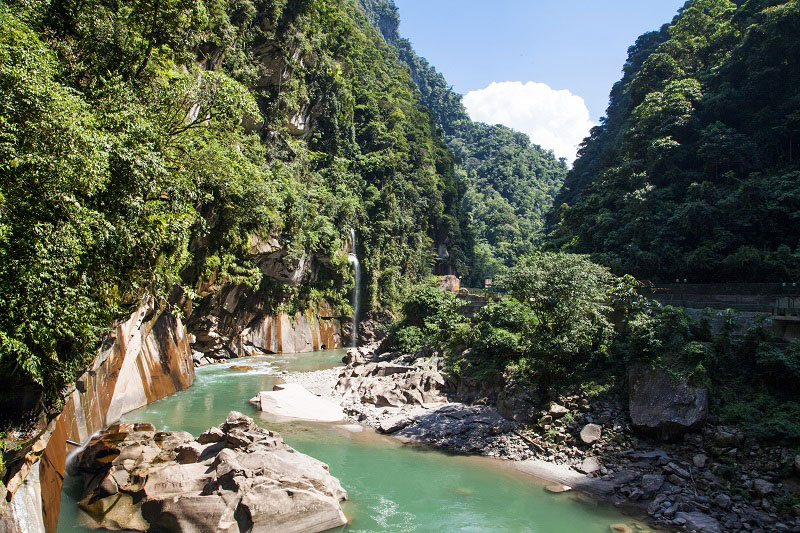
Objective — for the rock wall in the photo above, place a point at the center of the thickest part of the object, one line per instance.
(236, 323)
(145, 358)
(23, 514)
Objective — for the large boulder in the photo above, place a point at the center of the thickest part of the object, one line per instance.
(234, 478)
(665, 407)
(387, 384)
(591, 433)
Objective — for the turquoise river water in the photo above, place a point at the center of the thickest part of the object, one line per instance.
(392, 487)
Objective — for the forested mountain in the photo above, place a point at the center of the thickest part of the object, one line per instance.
(695, 173)
(511, 182)
(148, 145)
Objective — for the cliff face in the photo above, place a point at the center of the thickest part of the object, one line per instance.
(145, 358)
(229, 320)
(300, 124)
(238, 322)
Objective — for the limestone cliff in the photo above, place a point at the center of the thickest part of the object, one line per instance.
(237, 322)
(145, 358)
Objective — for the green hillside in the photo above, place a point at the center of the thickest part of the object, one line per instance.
(695, 173)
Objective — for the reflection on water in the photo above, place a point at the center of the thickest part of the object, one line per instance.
(392, 487)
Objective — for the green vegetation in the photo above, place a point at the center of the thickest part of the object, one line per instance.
(148, 145)
(567, 324)
(153, 147)
(752, 377)
(553, 323)
(694, 173)
(511, 183)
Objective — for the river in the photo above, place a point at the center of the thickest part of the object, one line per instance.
(392, 487)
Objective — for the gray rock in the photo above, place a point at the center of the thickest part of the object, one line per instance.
(677, 470)
(652, 482)
(723, 501)
(662, 407)
(699, 522)
(725, 438)
(588, 465)
(653, 454)
(623, 477)
(519, 404)
(557, 488)
(390, 425)
(590, 433)
(797, 464)
(182, 485)
(189, 452)
(762, 487)
(211, 435)
(557, 411)
(700, 460)
(387, 385)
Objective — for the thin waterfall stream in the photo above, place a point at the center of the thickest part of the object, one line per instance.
(353, 257)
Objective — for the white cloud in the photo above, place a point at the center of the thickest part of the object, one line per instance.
(556, 120)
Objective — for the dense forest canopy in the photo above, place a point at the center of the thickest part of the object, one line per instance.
(695, 172)
(511, 182)
(148, 145)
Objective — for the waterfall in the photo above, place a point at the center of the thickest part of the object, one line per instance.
(73, 455)
(357, 289)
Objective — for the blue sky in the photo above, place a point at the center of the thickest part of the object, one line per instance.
(574, 45)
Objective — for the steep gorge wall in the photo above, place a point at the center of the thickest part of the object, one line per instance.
(145, 358)
(237, 322)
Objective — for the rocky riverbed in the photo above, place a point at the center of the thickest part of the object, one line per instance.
(706, 480)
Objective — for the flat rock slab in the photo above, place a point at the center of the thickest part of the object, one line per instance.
(588, 465)
(390, 425)
(291, 400)
(700, 522)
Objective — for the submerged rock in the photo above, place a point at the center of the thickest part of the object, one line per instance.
(664, 407)
(234, 478)
(557, 488)
(621, 528)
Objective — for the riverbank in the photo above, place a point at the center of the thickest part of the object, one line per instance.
(454, 427)
(587, 444)
(392, 487)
